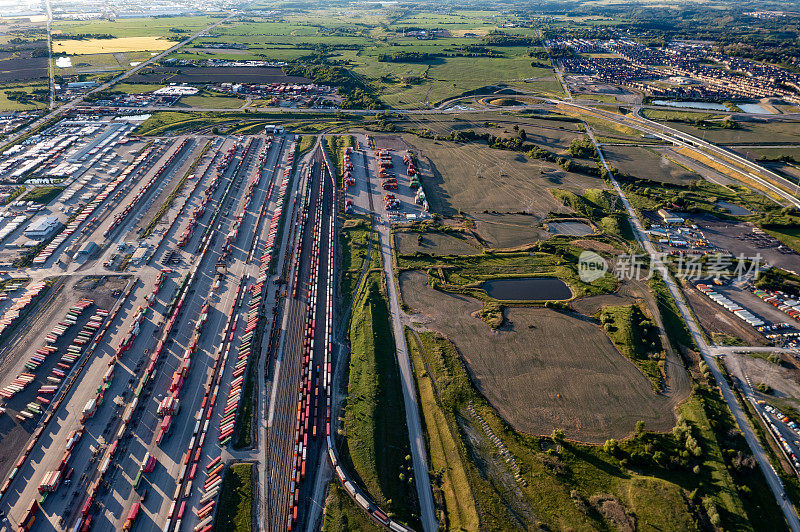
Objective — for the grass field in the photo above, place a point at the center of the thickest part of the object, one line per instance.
(443, 447)
(374, 419)
(107, 46)
(43, 195)
(306, 143)
(93, 63)
(234, 512)
(671, 481)
(13, 105)
(136, 88)
(473, 178)
(647, 163)
(342, 514)
(637, 338)
(445, 78)
(354, 244)
(788, 235)
(680, 116)
(544, 369)
(748, 133)
(211, 101)
(133, 27)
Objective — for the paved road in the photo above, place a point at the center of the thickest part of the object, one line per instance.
(418, 454)
(720, 350)
(771, 476)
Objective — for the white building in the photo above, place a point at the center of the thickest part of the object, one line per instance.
(42, 228)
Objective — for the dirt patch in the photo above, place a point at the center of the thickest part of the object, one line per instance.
(782, 380)
(23, 69)
(509, 230)
(544, 369)
(614, 511)
(392, 142)
(594, 245)
(473, 178)
(436, 244)
(738, 238)
(648, 163)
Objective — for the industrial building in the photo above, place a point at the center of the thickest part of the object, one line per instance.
(42, 228)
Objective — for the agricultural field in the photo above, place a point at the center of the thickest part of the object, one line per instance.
(443, 78)
(748, 133)
(544, 369)
(203, 75)
(436, 243)
(111, 46)
(508, 477)
(653, 164)
(18, 69)
(509, 230)
(100, 62)
(473, 178)
(10, 98)
(133, 27)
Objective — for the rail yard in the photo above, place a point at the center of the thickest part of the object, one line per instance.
(316, 267)
(204, 263)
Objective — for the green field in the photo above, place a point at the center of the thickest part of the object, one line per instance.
(342, 514)
(451, 480)
(670, 481)
(376, 437)
(7, 104)
(637, 338)
(136, 88)
(134, 27)
(212, 101)
(43, 195)
(234, 512)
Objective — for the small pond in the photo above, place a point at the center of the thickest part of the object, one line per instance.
(570, 228)
(707, 106)
(735, 210)
(528, 289)
(754, 108)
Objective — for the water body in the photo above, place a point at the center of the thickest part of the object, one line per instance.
(736, 210)
(528, 289)
(754, 108)
(706, 106)
(570, 228)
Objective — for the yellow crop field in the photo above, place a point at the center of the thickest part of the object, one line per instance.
(106, 46)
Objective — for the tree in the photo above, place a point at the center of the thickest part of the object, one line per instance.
(558, 436)
(639, 428)
(611, 446)
(523, 135)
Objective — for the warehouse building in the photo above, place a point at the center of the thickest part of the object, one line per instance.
(43, 228)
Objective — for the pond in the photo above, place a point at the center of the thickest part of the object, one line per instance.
(528, 289)
(570, 228)
(707, 106)
(735, 210)
(754, 108)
